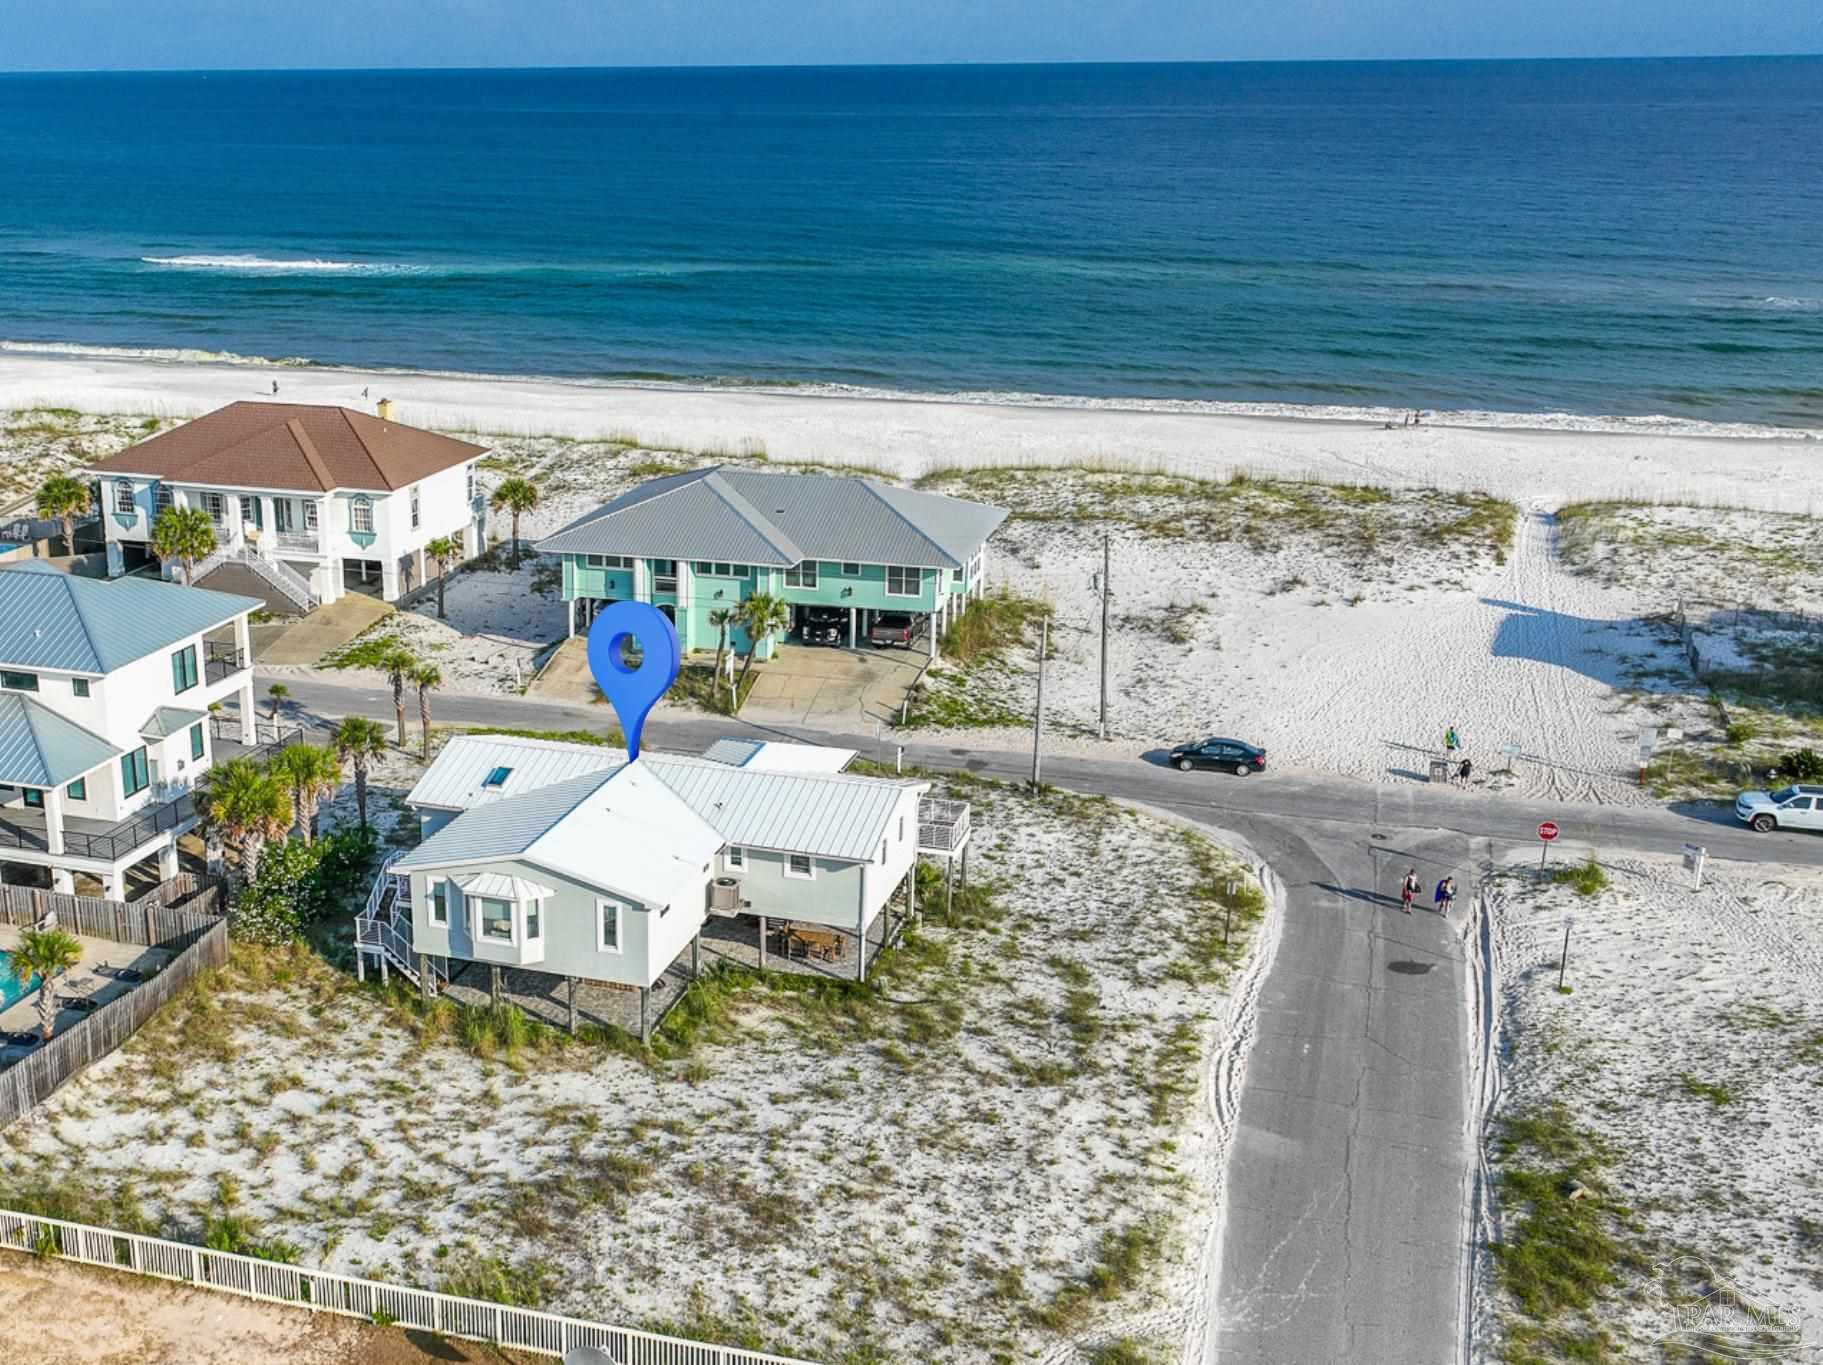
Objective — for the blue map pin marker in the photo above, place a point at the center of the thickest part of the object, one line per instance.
(632, 692)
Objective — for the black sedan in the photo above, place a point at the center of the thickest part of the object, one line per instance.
(1230, 755)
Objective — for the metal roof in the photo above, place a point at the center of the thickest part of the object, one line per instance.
(306, 446)
(748, 516)
(622, 829)
(50, 619)
(831, 815)
(454, 781)
(797, 810)
(169, 720)
(773, 755)
(499, 884)
(39, 748)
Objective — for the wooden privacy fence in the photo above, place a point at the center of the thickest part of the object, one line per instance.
(30, 1081)
(171, 910)
(471, 1319)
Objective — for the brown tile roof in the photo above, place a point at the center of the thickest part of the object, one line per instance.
(291, 445)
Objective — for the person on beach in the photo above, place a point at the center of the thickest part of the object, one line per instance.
(1408, 888)
(1446, 895)
(1462, 773)
(275, 387)
(1450, 742)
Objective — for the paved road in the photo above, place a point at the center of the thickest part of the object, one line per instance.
(1350, 1172)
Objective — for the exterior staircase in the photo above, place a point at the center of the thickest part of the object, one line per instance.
(383, 930)
(292, 589)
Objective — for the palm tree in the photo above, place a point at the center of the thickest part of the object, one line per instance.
(247, 806)
(65, 499)
(763, 615)
(398, 664)
(360, 741)
(46, 954)
(515, 495)
(445, 550)
(721, 618)
(185, 534)
(312, 774)
(426, 676)
(277, 692)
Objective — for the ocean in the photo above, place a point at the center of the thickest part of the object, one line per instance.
(1602, 237)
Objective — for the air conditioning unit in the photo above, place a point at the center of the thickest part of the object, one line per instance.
(725, 896)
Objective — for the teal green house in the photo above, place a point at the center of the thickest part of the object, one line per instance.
(697, 543)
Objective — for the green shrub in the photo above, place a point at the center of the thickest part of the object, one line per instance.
(1740, 731)
(1586, 878)
(299, 882)
(1800, 765)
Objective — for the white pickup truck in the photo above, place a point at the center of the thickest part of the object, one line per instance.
(1799, 806)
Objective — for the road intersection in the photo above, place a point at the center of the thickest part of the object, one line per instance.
(1346, 1232)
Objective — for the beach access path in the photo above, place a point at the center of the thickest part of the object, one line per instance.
(1346, 1227)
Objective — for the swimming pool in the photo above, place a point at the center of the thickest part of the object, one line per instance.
(11, 992)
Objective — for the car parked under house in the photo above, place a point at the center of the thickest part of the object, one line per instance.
(698, 543)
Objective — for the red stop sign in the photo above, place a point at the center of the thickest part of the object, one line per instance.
(1547, 831)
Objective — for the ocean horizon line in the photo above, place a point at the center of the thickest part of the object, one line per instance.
(1614, 59)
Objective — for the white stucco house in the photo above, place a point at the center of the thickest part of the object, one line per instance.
(567, 859)
(105, 689)
(316, 500)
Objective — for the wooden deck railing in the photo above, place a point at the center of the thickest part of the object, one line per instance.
(521, 1329)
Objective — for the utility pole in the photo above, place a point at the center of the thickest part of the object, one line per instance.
(1044, 641)
(1106, 560)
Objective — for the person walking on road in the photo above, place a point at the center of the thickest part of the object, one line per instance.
(1408, 888)
(1462, 773)
(1446, 895)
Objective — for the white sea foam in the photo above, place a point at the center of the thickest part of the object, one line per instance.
(268, 266)
(171, 355)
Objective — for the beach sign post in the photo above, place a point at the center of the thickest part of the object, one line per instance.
(633, 690)
(1547, 831)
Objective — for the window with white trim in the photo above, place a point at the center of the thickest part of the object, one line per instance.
(496, 918)
(799, 865)
(123, 498)
(216, 506)
(414, 507)
(802, 574)
(608, 561)
(955, 575)
(360, 516)
(904, 580)
(310, 514)
(164, 498)
(737, 856)
(439, 902)
(250, 509)
(534, 923)
(607, 926)
(851, 570)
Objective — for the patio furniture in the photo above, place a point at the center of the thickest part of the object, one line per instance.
(25, 1040)
(82, 1004)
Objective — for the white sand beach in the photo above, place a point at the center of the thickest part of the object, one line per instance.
(1549, 458)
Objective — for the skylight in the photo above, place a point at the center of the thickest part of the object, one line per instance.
(497, 779)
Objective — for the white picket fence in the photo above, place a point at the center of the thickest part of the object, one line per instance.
(520, 1329)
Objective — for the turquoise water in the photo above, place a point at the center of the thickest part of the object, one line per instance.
(1602, 237)
(10, 990)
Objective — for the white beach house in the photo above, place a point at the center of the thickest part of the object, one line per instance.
(316, 501)
(567, 859)
(105, 691)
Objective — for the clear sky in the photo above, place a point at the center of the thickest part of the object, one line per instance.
(150, 34)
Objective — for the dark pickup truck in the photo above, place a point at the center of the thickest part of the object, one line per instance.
(823, 626)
